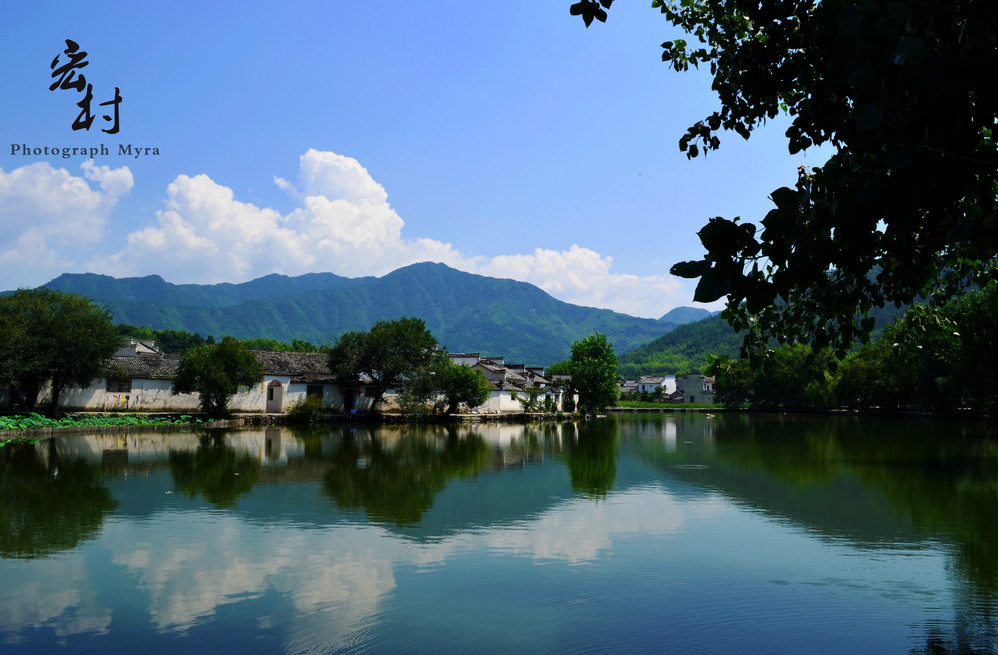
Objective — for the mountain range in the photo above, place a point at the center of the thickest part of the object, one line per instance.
(465, 312)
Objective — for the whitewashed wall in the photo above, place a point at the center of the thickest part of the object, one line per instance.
(157, 396)
(145, 396)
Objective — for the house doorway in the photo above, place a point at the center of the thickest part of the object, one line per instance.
(275, 397)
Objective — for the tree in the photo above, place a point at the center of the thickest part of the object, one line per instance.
(559, 368)
(529, 399)
(905, 368)
(930, 358)
(461, 384)
(168, 341)
(52, 335)
(593, 368)
(905, 208)
(389, 354)
(787, 377)
(215, 372)
(975, 349)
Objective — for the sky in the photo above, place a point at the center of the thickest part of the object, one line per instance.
(503, 139)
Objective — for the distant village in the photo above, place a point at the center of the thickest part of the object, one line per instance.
(140, 378)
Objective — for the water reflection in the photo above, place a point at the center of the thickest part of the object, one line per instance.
(358, 537)
(591, 453)
(215, 471)
(877, 483)
(397, 479)
(49, 502)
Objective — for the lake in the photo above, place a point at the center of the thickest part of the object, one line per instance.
(638, 533)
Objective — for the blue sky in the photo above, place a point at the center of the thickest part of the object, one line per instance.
(502, 139)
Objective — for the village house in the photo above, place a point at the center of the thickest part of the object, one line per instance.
(696, 388)
(652, 383)
(140, 378)
(627, 387)
(508, 381)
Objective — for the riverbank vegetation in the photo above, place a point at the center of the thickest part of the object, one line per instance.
(48, 335)
(938, 359)
(34, 421)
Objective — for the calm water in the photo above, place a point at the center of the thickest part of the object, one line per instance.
(659, 534)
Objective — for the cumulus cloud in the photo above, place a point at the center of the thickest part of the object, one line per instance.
(582, 276)
(56, 593)
(343, 223)
(205, 235)
(49, 216)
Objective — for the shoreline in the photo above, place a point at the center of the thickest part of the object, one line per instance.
(249, 420)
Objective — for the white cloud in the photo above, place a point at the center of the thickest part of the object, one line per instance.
(57, 593)
(343, 223)
(48, 216)
(582, 276)
(205, 235)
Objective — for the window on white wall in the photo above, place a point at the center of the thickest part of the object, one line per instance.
(119, 385)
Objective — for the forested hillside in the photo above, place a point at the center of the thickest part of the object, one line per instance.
(682, 350)
(465, 312)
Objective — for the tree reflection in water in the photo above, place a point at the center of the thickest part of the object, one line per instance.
(214, 471)
(49, 503)
(397, 483)
(875, 482)
(591, 453)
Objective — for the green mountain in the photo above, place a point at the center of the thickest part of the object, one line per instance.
(681, 315)
(153, 288)
(465, 312)
(685, 348)
(682, 350)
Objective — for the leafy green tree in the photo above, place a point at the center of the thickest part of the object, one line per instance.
(302, 346)
(904, 93)
(215, 372)
(973, 379)
(389, 354)
(593, 367)
(930, 358)
(178, 341)
(787, 377)
(908, 367)
(559, 368)
(296, 345)
(265, 343)
(52, 335)
(128, 331)
(169, 341)
(461, 384)
(529, 399)
(418, 395)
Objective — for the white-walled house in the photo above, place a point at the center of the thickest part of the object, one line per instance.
(140, 380)
(652, 383)
(507, 380)
(290, 377)
(696, 388)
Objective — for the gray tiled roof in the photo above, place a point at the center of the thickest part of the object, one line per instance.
(149, 368)
(301, 366)
(292, 363)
